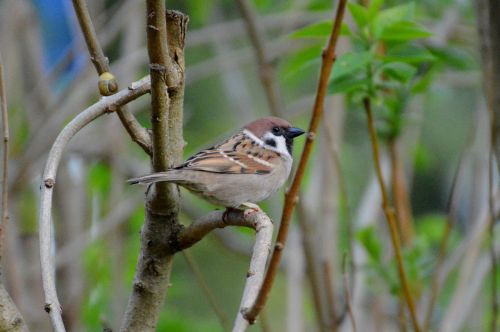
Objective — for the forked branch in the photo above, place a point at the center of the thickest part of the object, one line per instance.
(107, 82)
(106, 104)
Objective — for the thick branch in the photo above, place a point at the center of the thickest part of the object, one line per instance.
(204, 225)
(328, 59)
(107, 81)
(106, 104)
(160, 229)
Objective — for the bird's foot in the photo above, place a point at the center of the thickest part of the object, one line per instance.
(226, 213)
(249, 209)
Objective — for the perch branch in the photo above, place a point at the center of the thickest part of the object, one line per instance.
(107, 82)
(264, 231)
(328, 59)
(267, 71)
(106, 104)
(390, 216)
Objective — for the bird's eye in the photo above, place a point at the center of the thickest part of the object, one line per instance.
(276, 130)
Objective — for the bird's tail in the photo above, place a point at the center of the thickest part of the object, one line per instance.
(155, 177)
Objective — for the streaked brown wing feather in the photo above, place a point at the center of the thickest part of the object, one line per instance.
(237, 155)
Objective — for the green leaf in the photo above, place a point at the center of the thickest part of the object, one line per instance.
(359, 14)
(315, 30)
(370, 241)
(302, 59)
(391, 16)
(453, 57)
(404, 31)
(350, 63)
(400, 71)
(408, 53)
(347, 84)
(374, 7)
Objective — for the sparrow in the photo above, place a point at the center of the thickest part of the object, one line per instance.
(241, 171)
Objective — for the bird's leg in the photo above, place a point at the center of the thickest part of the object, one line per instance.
(250, 208)
(226, 213)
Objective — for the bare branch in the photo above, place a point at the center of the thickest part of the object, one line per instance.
(255, 275)
(267, 72)
(328, 59)
(107, 82)
(348, 294)
(204, 225)
(5, 159)
(106, 104)
(10, 317)
(159, 233)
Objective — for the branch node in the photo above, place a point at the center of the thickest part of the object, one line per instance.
(49, 183)
(311, 136)
(250, 273)
(47, 308)
(278, 246)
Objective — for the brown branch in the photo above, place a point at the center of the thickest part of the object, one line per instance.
(328, 59)
(219, 312)
(165, 39)
(107, 104)
(107, 82)
(267, 72)
(389, 214)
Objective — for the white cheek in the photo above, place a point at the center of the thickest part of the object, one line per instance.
(280, 143)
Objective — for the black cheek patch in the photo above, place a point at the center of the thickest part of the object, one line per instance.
(271, 142)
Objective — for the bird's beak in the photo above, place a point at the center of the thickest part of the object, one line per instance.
(293, 132)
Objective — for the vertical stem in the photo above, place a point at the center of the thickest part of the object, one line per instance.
(389, 214)
(291, 197)
(161, 227)
(5, 160)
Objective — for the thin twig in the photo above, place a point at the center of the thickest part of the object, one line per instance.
(348, 294)
(267, 72)
(328, 59)
(443, 245)
(5, 159)
(101, 63)
(106, 104)
(330, 295)
(389, 214)
(219, 312)
(491, 229)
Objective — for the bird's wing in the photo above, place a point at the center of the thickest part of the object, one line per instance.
(237, 155)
